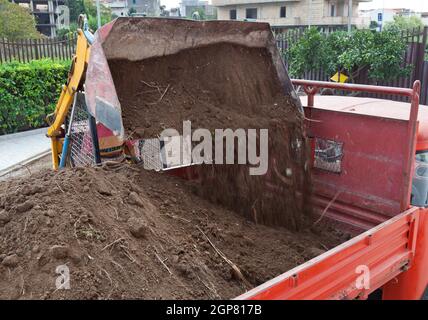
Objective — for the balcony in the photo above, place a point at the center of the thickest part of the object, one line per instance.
(323, 21)
(282, 21)
(358, 21)
(219, 3)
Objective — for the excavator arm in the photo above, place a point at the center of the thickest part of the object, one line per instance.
(74, 82)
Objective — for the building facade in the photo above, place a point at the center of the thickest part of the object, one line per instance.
(187, 7)
(46, 14)
(147, 7)
(380, 16)
(384, 15)
(287, 13)
(118, 7)
(424, 17)
(121, 8)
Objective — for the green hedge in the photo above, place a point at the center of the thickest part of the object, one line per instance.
(28, 92)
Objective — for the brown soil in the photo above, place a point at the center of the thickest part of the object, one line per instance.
(130, 234)
(218, 87)
(221, 86)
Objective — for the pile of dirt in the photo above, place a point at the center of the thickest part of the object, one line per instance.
(217, 87)
(126, 233)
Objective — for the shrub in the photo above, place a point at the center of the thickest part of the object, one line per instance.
(28, 92)
(16, 22)
(381, 53)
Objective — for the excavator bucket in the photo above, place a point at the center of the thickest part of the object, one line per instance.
(147, 75)
(146, 39)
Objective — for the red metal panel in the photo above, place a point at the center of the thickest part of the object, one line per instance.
(349, 217)
(412, 283)
(378, 155)
(372, 165)
(386, 250)
(313, 86)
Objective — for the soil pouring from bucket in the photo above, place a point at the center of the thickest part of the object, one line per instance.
(119, 231)
(212, 92)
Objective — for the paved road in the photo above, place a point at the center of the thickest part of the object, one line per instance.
(19, 147)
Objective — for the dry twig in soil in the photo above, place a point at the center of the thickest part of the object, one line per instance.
(234, 267)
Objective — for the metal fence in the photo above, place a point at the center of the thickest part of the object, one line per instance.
(63, 49)
(414, 56)
(25, 50)
(83, 148)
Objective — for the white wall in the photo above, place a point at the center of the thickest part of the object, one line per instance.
(297, 12)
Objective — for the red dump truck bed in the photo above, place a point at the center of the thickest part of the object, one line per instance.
(363, 161)
(364, 157)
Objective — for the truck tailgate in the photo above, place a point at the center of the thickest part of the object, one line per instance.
(353, 269)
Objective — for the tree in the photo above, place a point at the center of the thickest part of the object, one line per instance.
(64, 32)
(401, 23)
(373, 25)
(76, 8)
(16, 22)
(91, 13)
(198, 11)
(163, 11)
(131, 11)
(381, 53)
(307, 54)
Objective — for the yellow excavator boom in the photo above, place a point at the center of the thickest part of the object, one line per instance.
(74, 82)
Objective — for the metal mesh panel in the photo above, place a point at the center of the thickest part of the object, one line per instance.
(81, 144)
(150, 151)
(328, 155)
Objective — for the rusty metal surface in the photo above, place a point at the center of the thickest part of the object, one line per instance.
(139, 38)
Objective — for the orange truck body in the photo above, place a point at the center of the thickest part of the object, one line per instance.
(369, 196)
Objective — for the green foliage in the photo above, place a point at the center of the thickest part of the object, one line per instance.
(16, 22)
(380, 52)
(91, 13)
(28, 92)
(131, 11)
(386, 57)
(200, 11)
(307, 54)
(64, 32)
(76, 8)
(401, 23)
(373, 25)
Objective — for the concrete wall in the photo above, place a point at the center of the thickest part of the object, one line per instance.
(297, 11)
(266, 12)
(150, 7)
(118, 7)
(45, 13)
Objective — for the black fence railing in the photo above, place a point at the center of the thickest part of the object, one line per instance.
(25, 50)
(414, 56)
(64, 48)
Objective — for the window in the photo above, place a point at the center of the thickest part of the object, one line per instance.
(419, 197)
(232, 14)
(251, 13)
(333, 10)
(283, 12)
(380, 17)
